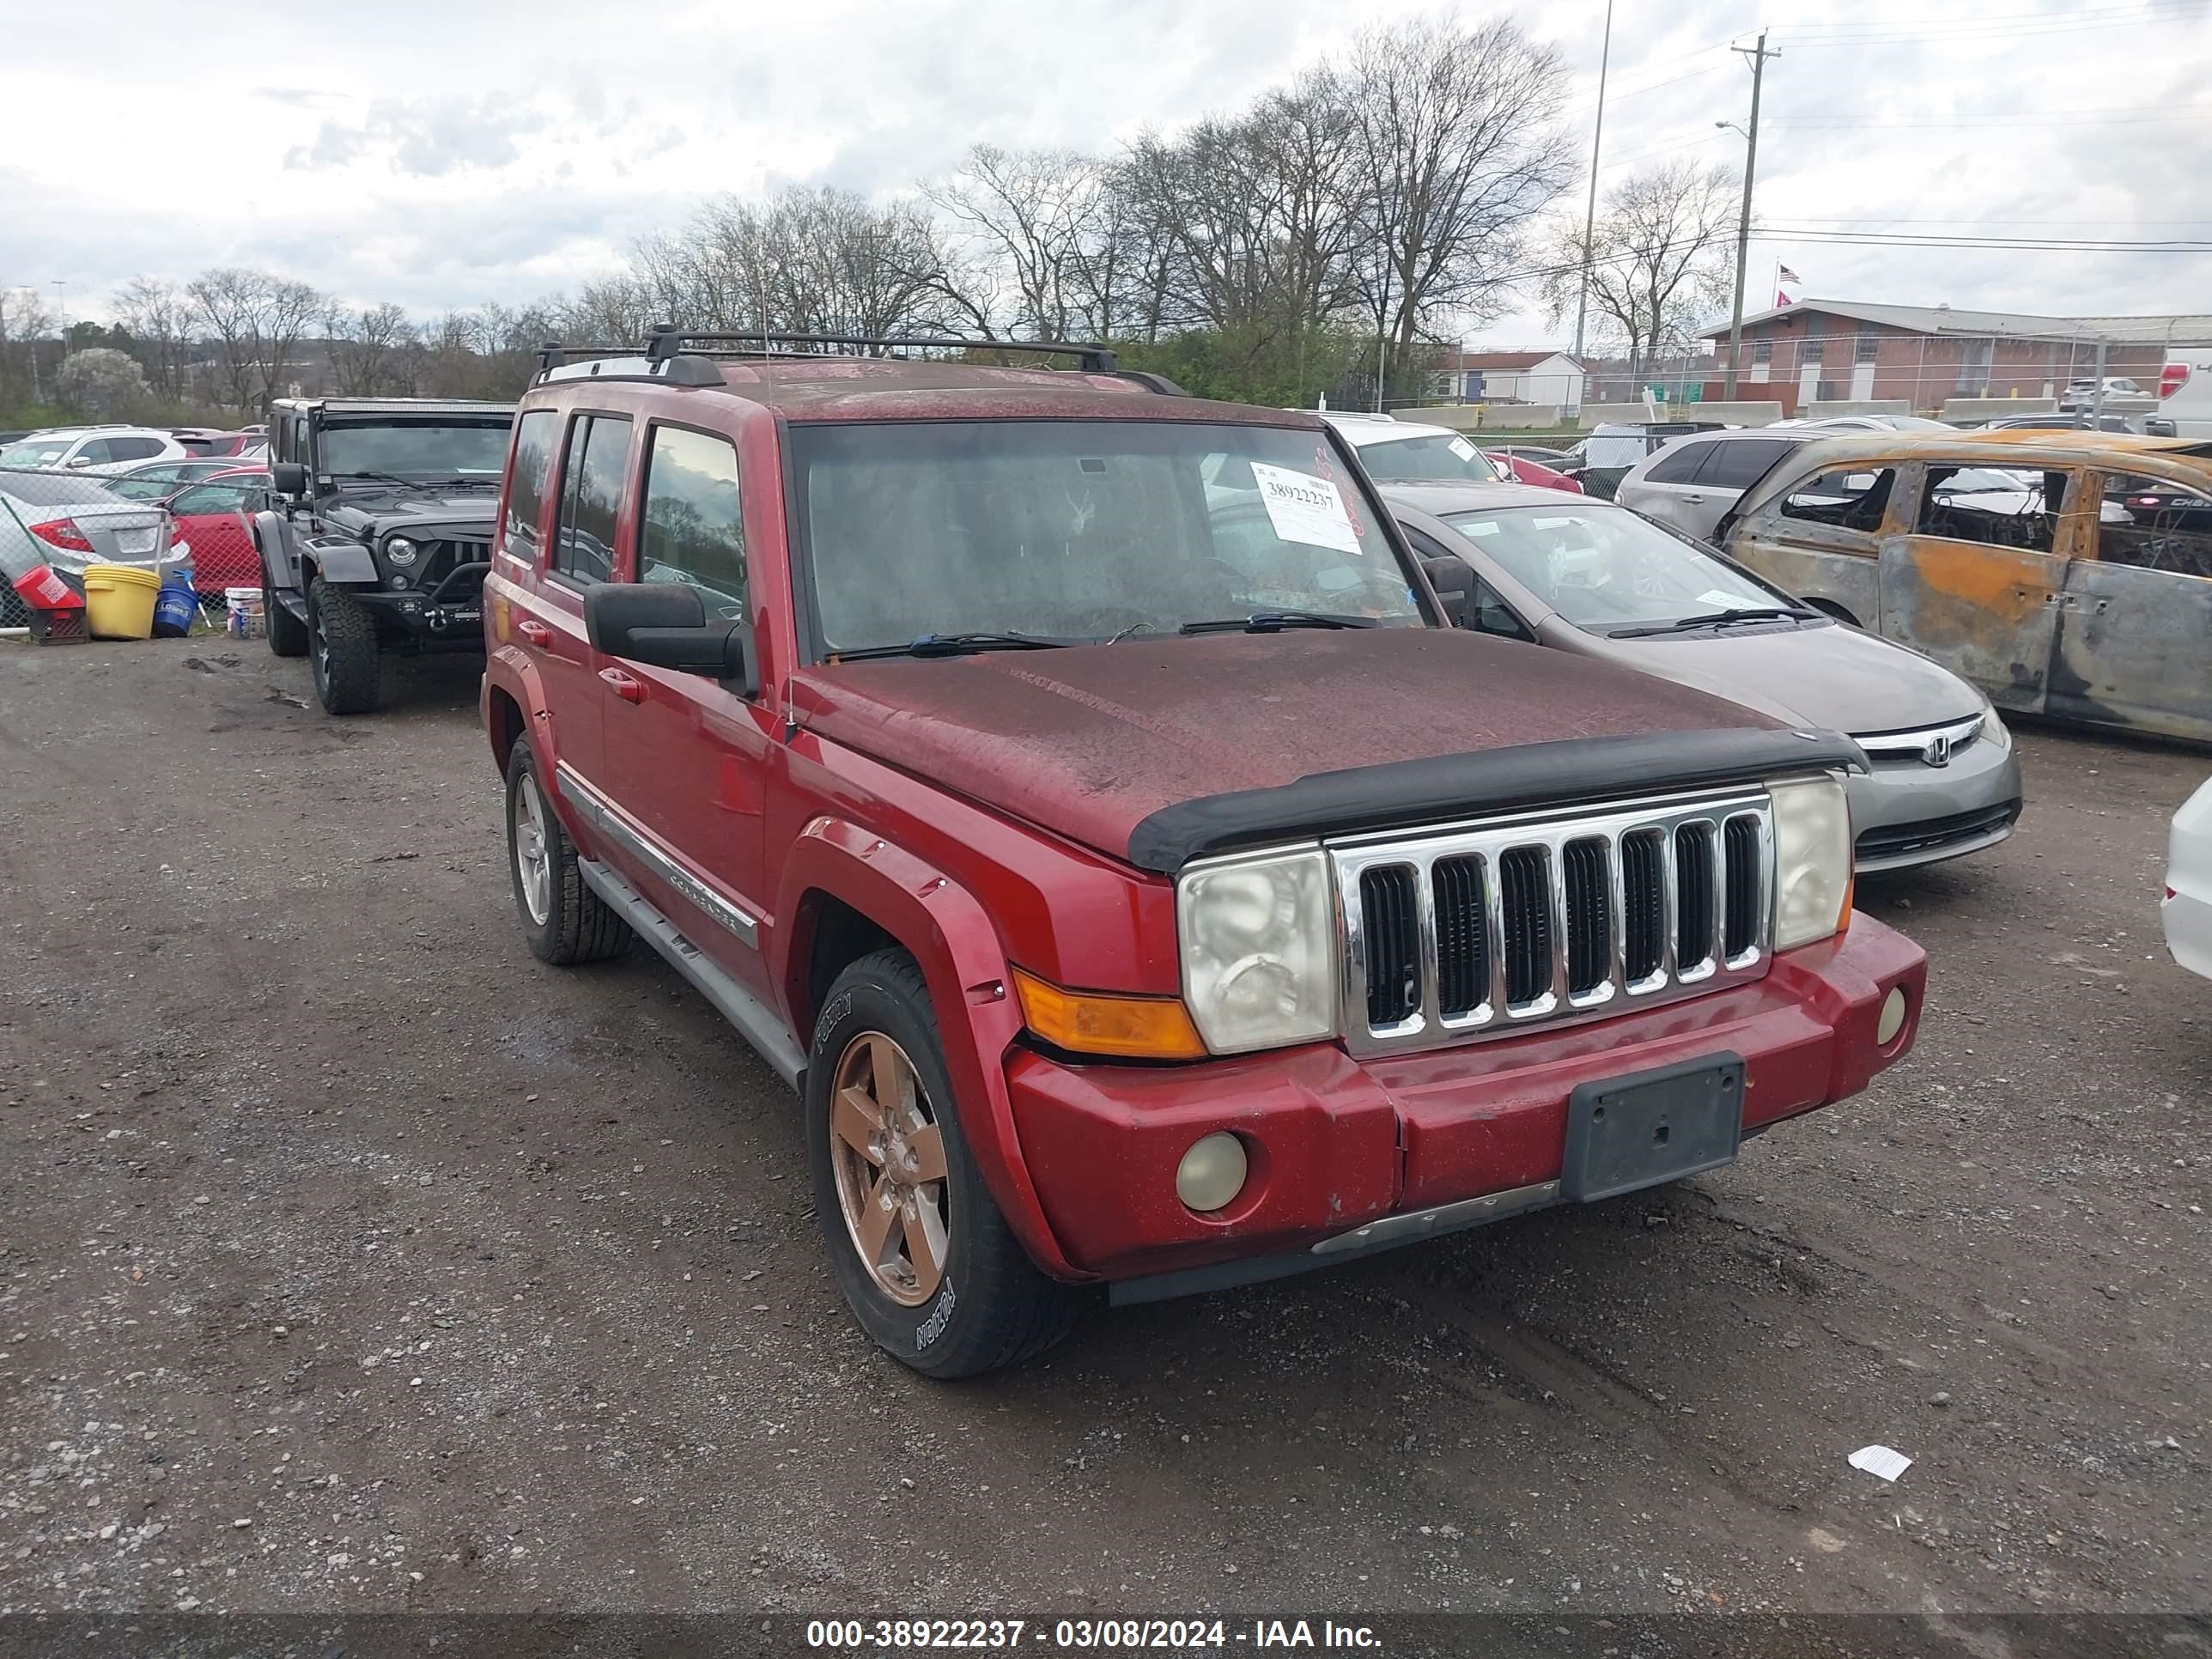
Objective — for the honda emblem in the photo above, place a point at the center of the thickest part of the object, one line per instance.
(1938, 751)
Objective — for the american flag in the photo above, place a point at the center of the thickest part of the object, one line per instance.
(1784, 280)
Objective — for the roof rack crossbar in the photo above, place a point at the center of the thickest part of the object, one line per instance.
(557, 354)
(671, 342)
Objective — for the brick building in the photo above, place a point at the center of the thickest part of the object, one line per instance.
(1833, 349)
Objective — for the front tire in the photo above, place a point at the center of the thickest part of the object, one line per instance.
(565, 921)
(342, 641)
(926, 1261)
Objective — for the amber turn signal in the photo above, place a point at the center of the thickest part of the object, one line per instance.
(1130, 1027)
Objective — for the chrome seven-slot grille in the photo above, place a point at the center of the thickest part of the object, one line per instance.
(1497, 927)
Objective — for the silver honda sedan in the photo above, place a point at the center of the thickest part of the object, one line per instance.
(1588, 576)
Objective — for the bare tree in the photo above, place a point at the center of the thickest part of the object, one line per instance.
(1036, 213)
(256, 321)
(371, 351)
(1457, 155)
(159, 320)
(1658, 258)
(26, 323)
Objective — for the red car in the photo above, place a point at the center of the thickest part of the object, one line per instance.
(1532, 472)
(1071, 789)
(211, 515)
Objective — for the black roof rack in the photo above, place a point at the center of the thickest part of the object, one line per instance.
(671, 341)
(680, 356)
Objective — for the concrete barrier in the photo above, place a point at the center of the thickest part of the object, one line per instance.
(1459, 417)
(1734, 414)
(1826, 408)
(1519, 417)
(1990, 409)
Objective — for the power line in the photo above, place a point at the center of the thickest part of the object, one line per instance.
(2055, 243)
(2057, 25)
(2178, 113)
(2085, 15)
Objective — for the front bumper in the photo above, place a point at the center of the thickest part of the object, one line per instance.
(1907, 814)
(1336, 1144)
(431, 624)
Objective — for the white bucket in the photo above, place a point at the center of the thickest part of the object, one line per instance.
(245, 618)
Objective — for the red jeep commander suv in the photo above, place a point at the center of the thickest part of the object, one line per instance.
(1078, 792)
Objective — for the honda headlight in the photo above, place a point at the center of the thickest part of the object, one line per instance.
(1259, 951)
(1994, 730)
(400, 550)
(1812, 859)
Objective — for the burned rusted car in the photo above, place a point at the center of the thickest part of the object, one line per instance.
(2066, 574)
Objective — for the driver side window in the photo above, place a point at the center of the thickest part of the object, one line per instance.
(1486, 611)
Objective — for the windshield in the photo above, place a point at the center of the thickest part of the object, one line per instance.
(1081, 530)
(1602, 566)
(57, 490)
(35, 454)
(417, 449)
(1427, 457)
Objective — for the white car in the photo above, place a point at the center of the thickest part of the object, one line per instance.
(1407, 452)
(2187, 911)
(2184, 395)
(92, 449)
(1693, 482)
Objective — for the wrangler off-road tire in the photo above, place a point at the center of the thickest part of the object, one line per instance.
(982, 1303)
(565, 921)
(342, 641)
(288, 634)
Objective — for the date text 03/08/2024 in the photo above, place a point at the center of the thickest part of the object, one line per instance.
(1124, 1634)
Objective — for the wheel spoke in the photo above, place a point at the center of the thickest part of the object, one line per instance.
(889, 1074)
(873, 1224)
(928, 1145)
(924, 1243)
(854, 1119)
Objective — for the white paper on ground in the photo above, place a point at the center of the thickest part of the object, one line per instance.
(1881, 1462)
(1304, 508)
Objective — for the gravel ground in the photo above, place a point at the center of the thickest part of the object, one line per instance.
(350, 1259)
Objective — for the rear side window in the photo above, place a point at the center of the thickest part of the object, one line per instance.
(691, 530)
(591, 484)
(1681, 464)
(2165, 526)
(1855, 500)
(133, 449)
(2007, 509)
(535, 434)
(210, 498)
(1742, 465)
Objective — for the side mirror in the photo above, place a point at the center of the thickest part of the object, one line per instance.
(1455, 584)
(78, 461)
(665, 625)
(289, 479)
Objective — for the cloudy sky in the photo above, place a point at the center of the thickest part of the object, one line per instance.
(443, 152)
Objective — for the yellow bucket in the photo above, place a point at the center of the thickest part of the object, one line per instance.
(118, 601)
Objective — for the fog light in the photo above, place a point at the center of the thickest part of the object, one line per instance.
(399, 584)
(1891, 1021)
(1211, 1172)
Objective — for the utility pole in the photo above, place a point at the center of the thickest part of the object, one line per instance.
(1590, 213)
(1757, 54)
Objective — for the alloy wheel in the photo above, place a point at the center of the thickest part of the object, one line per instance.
(533, 863)
(887, 1152)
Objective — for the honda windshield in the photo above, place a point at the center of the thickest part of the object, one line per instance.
(1602, 566)
(1082, 531)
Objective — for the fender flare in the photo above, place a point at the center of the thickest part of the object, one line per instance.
(510, 669)
(269, 531)
(950, 934)
(337, 559)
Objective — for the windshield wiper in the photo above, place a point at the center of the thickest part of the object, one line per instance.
(382, 478)
(1274, 621)
(951, 644)
(1714, 619)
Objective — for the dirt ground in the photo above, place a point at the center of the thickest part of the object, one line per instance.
(351, 1259)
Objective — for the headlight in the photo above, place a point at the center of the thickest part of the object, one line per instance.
(1994, 730)
(1812, 859)
(1259, 951)
(400, 550)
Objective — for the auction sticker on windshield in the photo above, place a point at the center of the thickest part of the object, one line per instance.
(1304, 508)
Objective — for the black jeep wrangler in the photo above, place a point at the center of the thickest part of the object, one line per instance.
(380, 533)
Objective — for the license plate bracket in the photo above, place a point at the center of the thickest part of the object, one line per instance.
(1627, 1133)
